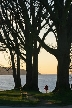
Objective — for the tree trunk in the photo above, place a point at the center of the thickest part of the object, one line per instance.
(35, 53)
(29, 47)
(18, 64)
(14, 69)
(63, 73)
(35, 68)
(63, 61)
(29, 71)
(18, 72)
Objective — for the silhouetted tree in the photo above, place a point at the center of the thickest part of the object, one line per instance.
(7, 41)
(57, 15)
(32, 24)
(60, 15)
(30, 31)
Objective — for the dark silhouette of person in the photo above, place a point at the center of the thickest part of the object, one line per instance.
(46, 88)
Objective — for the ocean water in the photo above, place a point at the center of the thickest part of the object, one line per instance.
(7, 82)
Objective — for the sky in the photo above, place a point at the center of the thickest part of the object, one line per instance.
(47, 63)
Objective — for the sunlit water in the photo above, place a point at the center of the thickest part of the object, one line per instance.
(7, 82)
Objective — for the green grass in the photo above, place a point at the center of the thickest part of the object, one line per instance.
(13, 97)
(61, 98)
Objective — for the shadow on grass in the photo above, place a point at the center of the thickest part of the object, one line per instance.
(60, 98)
(14, 98)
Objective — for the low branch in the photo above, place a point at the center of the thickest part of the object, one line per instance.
(47, 48)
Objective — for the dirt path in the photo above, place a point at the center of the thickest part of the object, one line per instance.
(46, 103)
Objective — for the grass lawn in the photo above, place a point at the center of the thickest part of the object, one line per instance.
(14, 97)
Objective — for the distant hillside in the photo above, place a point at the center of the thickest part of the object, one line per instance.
(3, 71)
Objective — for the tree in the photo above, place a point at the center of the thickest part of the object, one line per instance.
(8, 28)
(57, 15)
(32, 21)
(18, 13)
(60, 14)
(7, 41)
